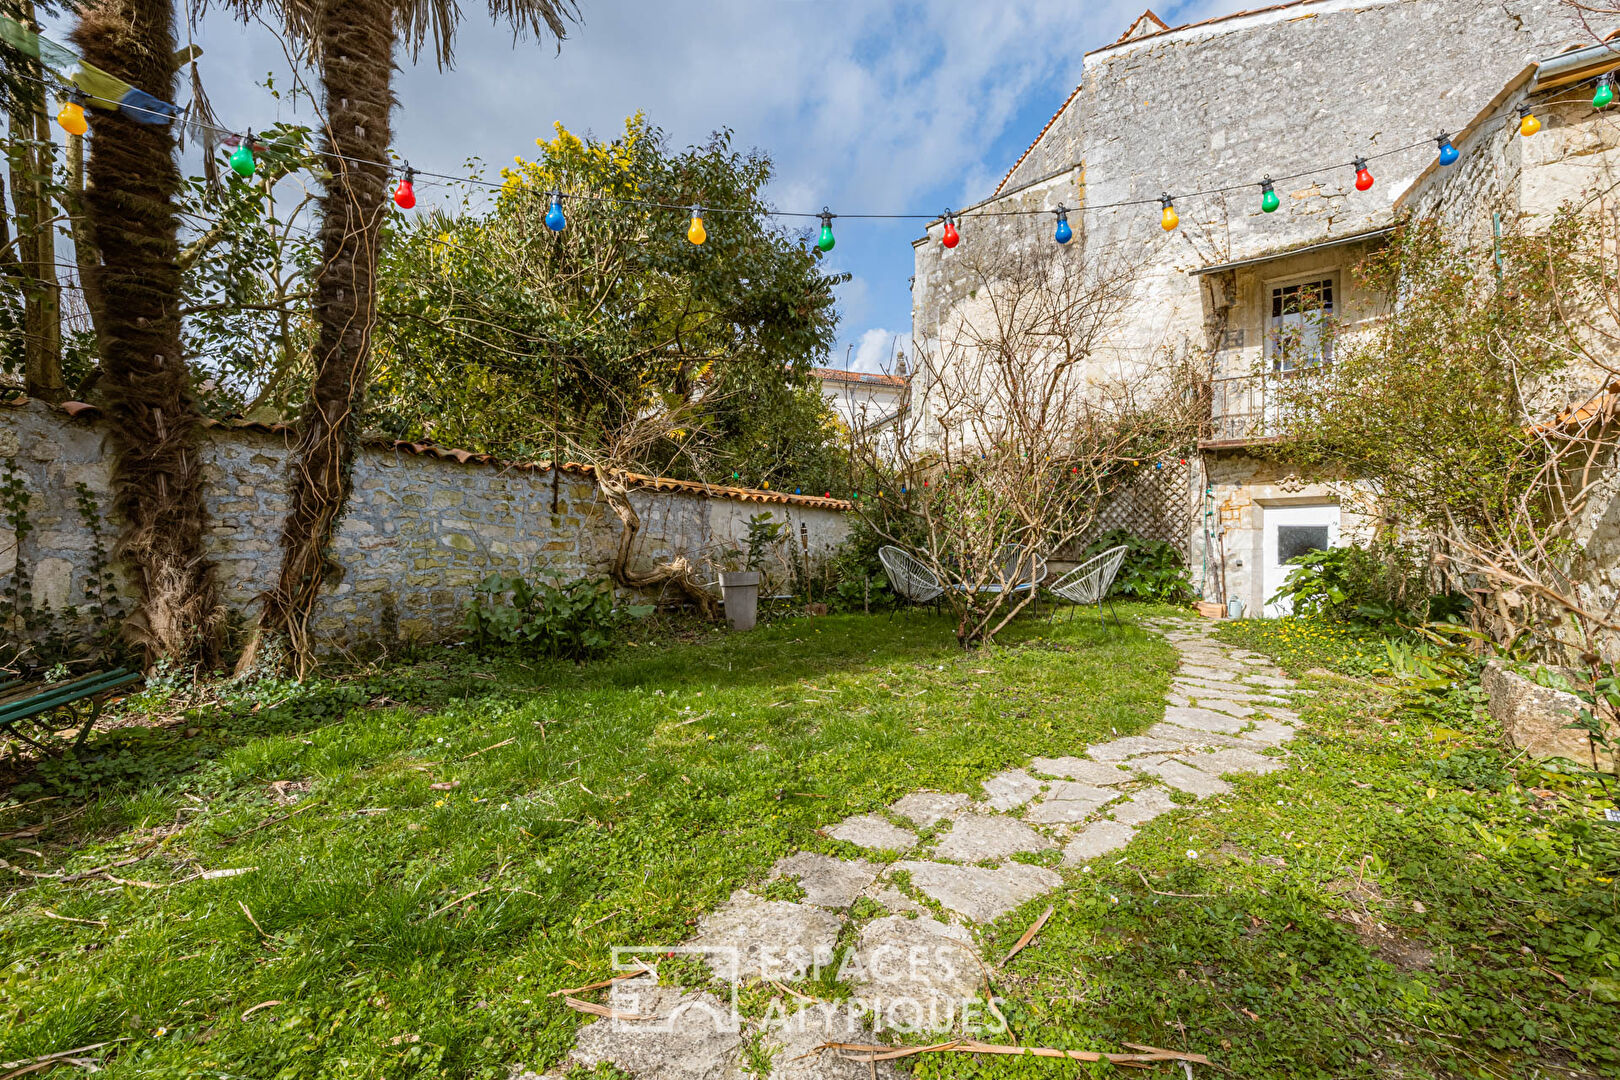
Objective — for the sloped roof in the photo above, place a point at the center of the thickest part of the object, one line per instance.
(1142, 27)
(827, 374)
(1030, 149)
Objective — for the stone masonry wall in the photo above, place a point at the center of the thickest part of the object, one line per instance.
(421, 531)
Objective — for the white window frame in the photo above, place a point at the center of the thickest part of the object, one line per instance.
(1269, 288)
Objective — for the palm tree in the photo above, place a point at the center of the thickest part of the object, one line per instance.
(353, 42)
(132, 183)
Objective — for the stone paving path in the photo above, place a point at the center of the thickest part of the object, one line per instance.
(958, 868)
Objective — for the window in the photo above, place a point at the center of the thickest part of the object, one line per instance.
(1296, 540)
(1299, 333)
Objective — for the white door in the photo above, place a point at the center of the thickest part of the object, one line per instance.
(1291, 531)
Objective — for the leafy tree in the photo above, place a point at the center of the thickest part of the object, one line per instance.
(615, 340)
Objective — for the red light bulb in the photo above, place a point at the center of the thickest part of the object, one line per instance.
(951, 237)
(1364, 179)
(405, 194)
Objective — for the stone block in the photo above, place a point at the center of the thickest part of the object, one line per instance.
(1536, 718)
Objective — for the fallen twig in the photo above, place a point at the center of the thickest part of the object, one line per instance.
(487, 749)
(267, 822)
(644, 969)
(868, 1052)
(1182, 895)
(1028, 935)
(251, 919)
(602, 1010)
(19, 806)
(140, 853)
(49, 914)
(19, 1065)
(35, 830)
(260, 1005)
(459, 899)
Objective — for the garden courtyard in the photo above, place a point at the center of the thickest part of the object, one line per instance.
(1256, 845)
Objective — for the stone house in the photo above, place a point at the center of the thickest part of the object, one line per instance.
(863, 399)
(1204, 113)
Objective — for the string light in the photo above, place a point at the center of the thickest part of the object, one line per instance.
(555, 220)
(241, 158)
(825, 241)
(1605, 92)
(1364, 176)
(695, 232)
(1168, 218)
(951, 237)
(1063, 234)
(1448, 153)
(1528, 124)
(72, 118)
(405, 194)
(1268, 196)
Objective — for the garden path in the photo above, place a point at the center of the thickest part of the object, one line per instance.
(963, 862)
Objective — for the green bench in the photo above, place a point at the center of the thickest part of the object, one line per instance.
(21, 703)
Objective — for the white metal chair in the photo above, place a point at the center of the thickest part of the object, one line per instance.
(909, 577)
(1017, 569)
(1089, 582)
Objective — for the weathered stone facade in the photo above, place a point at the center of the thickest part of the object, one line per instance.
(420, 533)
(1281, 91)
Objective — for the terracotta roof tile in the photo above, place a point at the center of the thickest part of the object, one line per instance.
(85, 411)
(826, 374)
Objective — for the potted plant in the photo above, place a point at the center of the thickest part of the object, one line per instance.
(739, 589)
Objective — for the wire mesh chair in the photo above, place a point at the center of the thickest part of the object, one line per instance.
(1018, 568)
(909, 577)
(1089, 582)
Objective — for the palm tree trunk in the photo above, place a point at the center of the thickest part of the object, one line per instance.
(129, 197)
(355, 43)
(32, 159)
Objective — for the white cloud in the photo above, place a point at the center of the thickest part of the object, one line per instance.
(875, 351)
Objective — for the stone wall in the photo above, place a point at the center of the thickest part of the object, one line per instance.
(421, 532)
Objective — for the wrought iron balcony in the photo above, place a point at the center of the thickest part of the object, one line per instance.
(1257, 407)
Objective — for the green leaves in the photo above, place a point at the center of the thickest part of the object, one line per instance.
(572, 621)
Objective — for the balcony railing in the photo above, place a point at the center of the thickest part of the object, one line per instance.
(1258, 407)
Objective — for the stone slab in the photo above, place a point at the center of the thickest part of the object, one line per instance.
(1131, 746)
(1188, 779)
(1070, 802)
(925, 808)
(977, 837)
(1098, 839)
(1204, 720)
(827, 882)
(921, 960)
(1143, 807)
(795, 1038)
(871, 831)
(692, 1036)
(1269, 680)
(1269, 733)
(1011, 789)
(1189, 739)
(772, 938)
(1073, 768)
(1216, 704)
(1233, 760)
(979, 894)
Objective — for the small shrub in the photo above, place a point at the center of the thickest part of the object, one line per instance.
(1152, 570)
(1382, 584)
(574, 620)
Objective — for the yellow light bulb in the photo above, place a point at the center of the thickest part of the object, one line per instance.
(1169, 219)
(695, 231)
(1529, 125)
(72, 118)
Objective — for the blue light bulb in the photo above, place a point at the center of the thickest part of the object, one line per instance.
(555, 221)
(1063, 234)
(1448, 153)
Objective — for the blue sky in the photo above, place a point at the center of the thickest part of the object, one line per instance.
(863, 105)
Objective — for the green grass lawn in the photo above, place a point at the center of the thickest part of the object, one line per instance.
(1408, 900)
(580, 808)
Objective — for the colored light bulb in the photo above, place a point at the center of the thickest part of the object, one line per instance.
(241, 158)
(951, 237)
(1063, 234)
(1605, 92)
(1168, 219)
(695, 231)
(555, 220)
(1364, 177)
(1268, 197)
(825, 241)
(72, 118)
(1528, 124)
(405, 193)
(1448, 153)
(798, 491)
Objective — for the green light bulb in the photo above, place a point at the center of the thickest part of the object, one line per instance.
(825, 242)
(241, 159)
(1605, 92)
(1268, 197)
